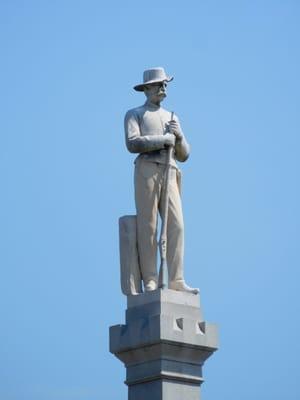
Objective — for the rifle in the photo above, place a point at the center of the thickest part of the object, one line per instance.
(163, 271)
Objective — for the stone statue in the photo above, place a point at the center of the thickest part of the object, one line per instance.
(155, 134)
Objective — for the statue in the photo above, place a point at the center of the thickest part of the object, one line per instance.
(156, 135)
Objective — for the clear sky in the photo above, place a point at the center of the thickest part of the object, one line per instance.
(67, 72)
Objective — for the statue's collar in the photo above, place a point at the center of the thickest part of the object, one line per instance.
(151, 106)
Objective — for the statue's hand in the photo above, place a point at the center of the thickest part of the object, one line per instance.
(170, 139)
(174, 128)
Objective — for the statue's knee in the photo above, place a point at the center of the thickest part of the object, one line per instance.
(177, 227)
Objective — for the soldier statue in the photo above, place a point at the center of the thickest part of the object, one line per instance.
(151, 131)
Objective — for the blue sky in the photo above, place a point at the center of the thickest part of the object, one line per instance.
(67, 72)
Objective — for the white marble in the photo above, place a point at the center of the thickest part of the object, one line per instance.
(155, 134)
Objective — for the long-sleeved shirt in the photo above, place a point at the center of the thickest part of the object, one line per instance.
(144, 130)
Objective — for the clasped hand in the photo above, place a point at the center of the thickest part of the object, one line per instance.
(174, 133)
(174, 128)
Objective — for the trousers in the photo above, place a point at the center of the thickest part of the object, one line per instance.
(148, 183)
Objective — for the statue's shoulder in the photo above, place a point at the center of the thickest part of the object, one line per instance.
(163, 110)
(167, 113)
(135, 111)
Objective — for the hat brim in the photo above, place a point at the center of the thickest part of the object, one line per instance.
(141, 86)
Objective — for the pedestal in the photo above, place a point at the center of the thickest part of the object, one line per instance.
(163, 345)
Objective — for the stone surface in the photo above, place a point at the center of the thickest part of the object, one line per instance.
(156, 135)
(163, 345)
(130, 270)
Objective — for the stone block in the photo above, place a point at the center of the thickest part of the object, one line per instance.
(163, 345)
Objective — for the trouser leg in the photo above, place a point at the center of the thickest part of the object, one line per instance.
(175, 231)
(146, 200)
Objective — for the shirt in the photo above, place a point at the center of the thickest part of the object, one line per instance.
(144, 130)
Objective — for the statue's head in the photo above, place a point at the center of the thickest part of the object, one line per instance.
(154, 84)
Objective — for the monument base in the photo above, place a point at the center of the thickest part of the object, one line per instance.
(164, 389)
(163, 345)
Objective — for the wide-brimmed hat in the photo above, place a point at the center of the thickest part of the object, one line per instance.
(153, 75)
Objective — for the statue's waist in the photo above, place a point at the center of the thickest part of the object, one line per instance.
(158, 156)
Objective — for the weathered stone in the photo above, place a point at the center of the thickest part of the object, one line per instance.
(130, 270)
(156, 135)
(163, 345)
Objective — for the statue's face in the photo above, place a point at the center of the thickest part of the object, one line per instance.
(156, 92)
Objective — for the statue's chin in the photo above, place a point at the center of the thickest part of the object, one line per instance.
(162, 96)
(158, 98)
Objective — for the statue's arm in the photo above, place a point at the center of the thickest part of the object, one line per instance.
(135, 142)
(182, 148)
